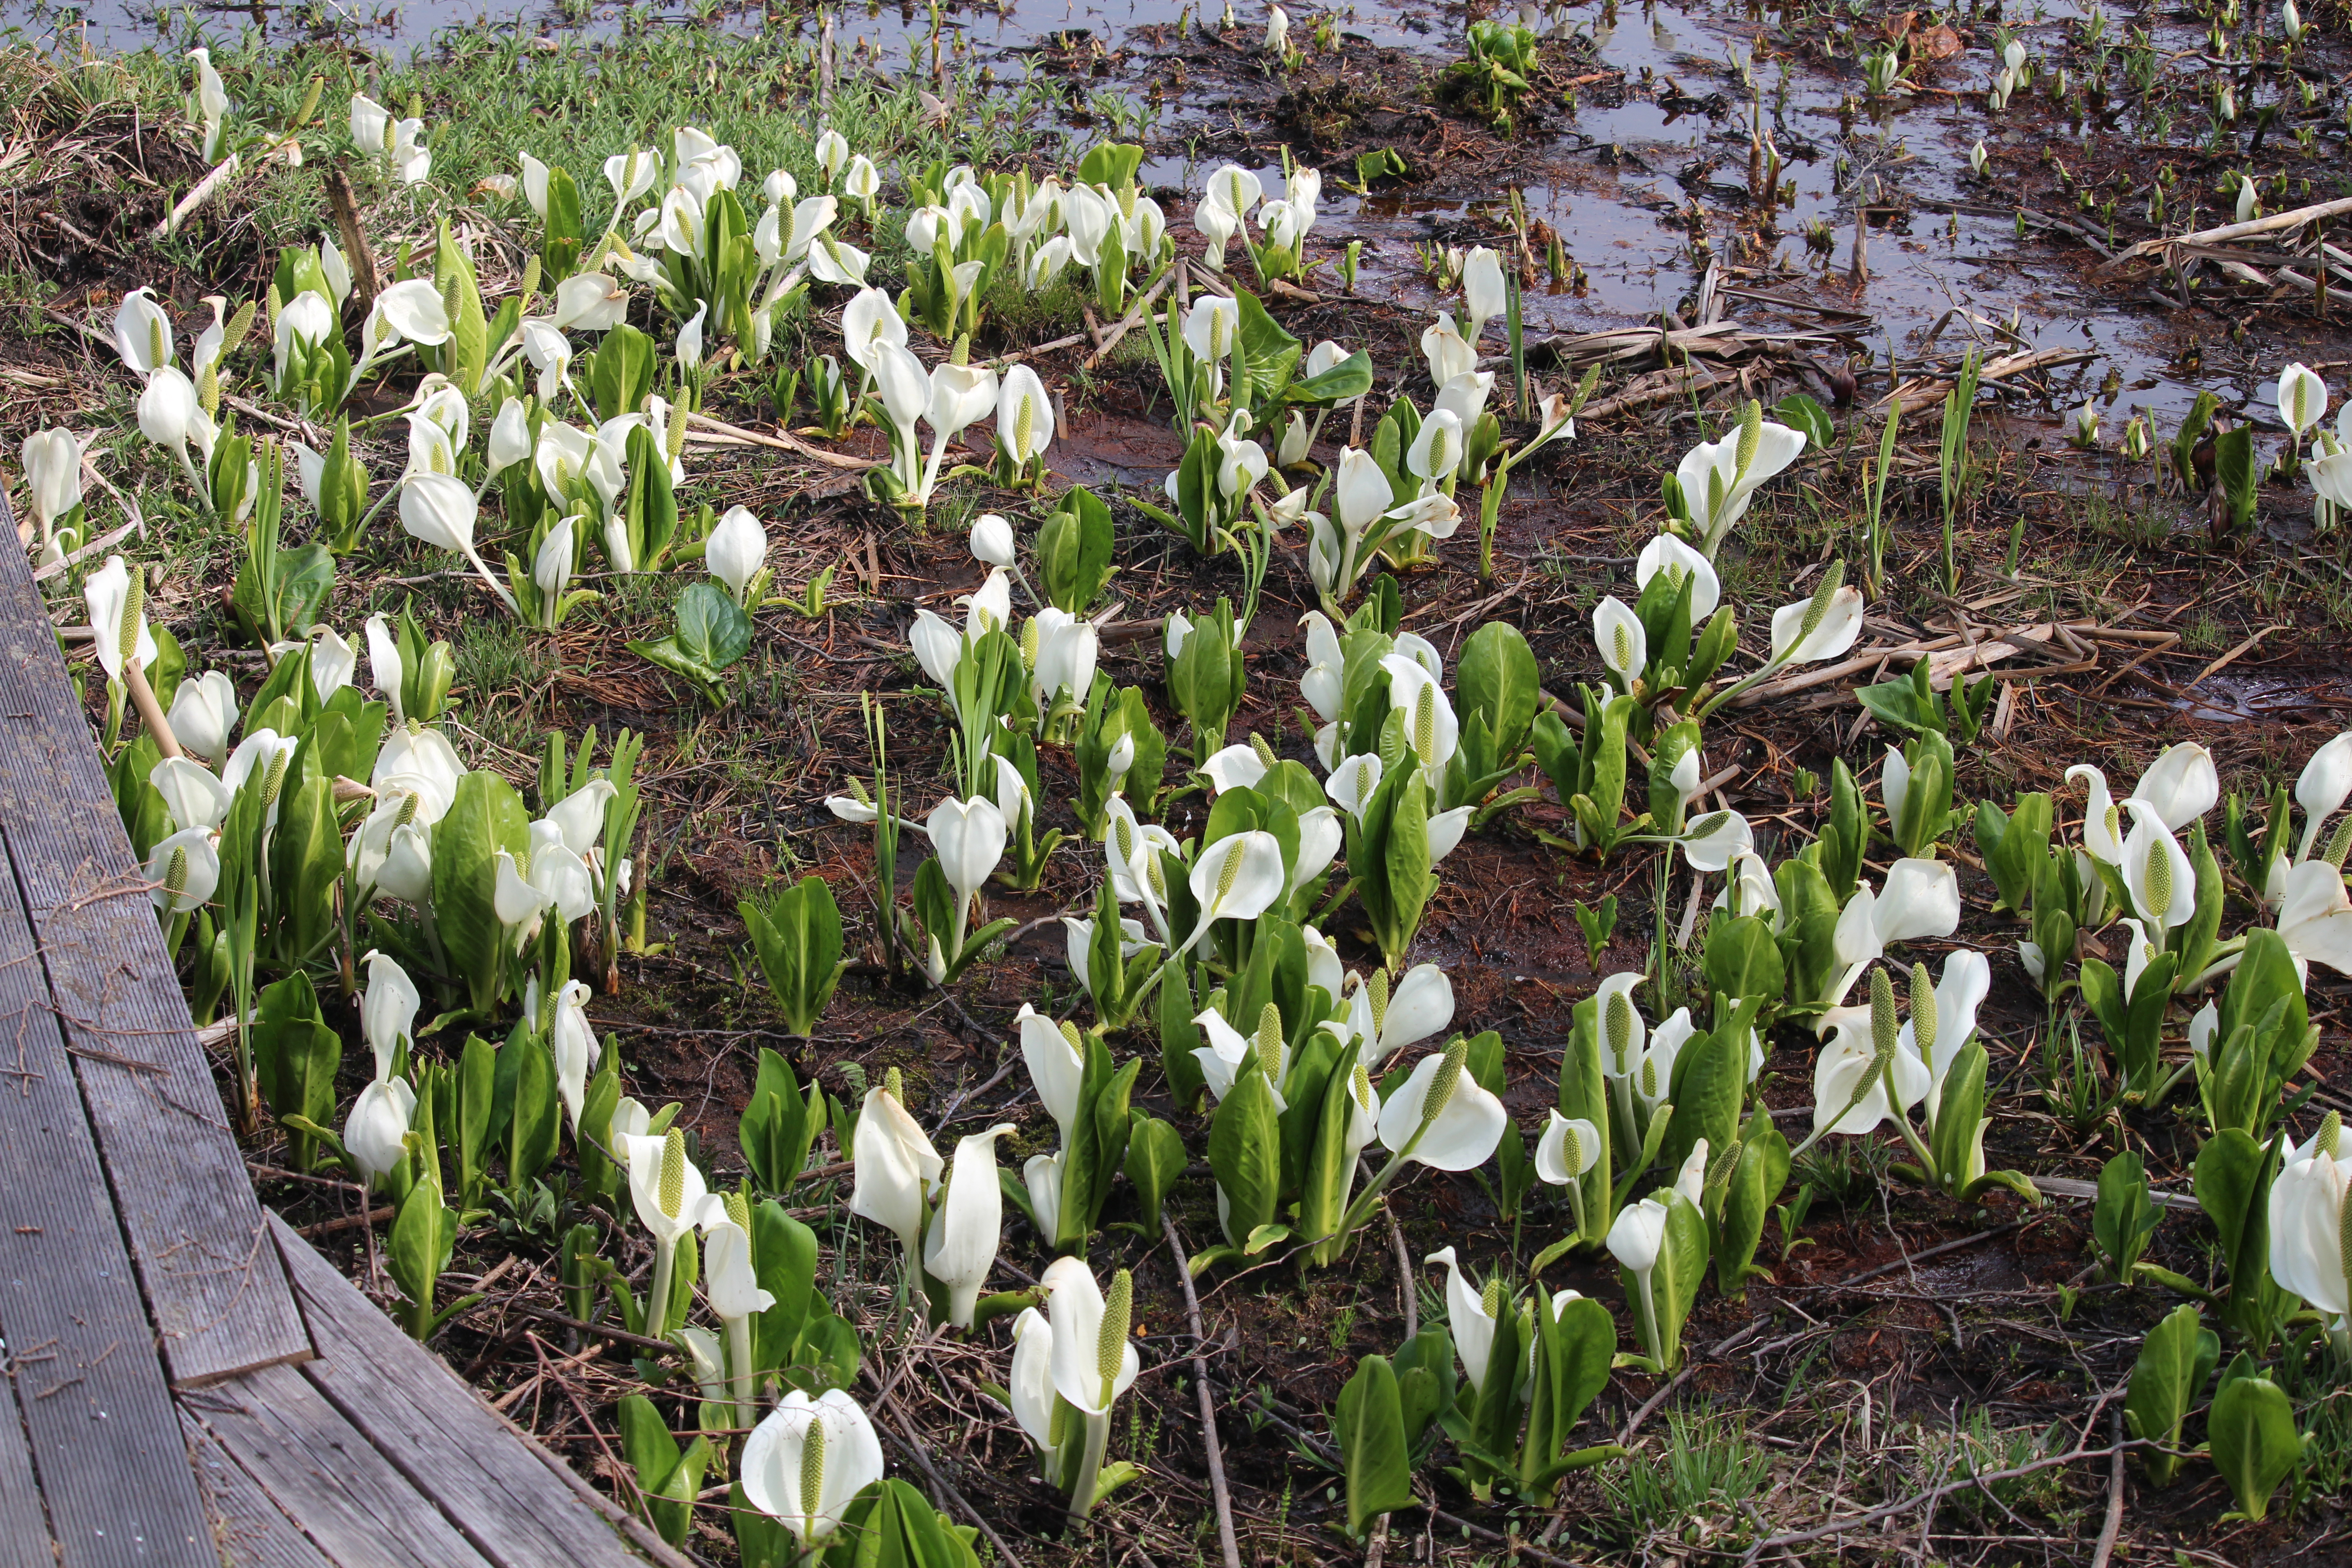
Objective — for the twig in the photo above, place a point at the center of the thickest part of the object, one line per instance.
(1406, 1287)
(345, 1221)
(2295, 219)
(905, 1432)
(1934, 1494)
(2101, 689)
(2232, 656)
(783, 440)
(98, 546)
(1217, 1490)
(1127, 322)
(1690, 1365)
(547, 1315)
(193, 200)
(355, 243)
(2113, 1527)
(1907, 1260)
(625, 1476)
(629, 1524)
(1034, 350)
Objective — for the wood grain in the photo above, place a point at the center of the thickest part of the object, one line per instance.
(250, 1531)
(104, 1443)
(24, 1527)
(215, 1289)
(325, 1475)
(434, 1429)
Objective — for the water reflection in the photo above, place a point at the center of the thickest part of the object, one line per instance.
(1648, 161)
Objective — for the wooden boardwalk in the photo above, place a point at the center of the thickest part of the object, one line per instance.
(187, 1382)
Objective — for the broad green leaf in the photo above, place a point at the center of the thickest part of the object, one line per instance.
(2233, 1179)
(1743, 960)
(712, 628)
(1156, 1157)
(2253, 1435)
(797, 939)
(2175, 1362)
(416, 1253)
(1710, 1079)
(538, 1113)
(778, 1124)
(1369, 1425)
(1245, 1156)
(1497, 677)
(485, 816)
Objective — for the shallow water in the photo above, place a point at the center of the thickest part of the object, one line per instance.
(1621, 178)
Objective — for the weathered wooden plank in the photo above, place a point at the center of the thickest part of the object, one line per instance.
(434, 1427)
(246, 1526)
(105, 1443)
(324, 1474)
(213, 1285)
(23, 1525)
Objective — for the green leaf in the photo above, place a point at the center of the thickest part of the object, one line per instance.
(1155, 1158)
(485, 816)
(1675, 1281)
(1074, 551)
(1098, 1143)
(1378, 164)
(1896, 704)
(797, 940)
(648, 510)
(1743, 960)
(2233, 1180)
(306, 574)
(619, 375)
(1180, 1036)
(2126, 1214)
(1955, 1138)
(1263, 1236)
(779, 1124)
(2253, 1435)
(538, 1113)
(2175, 1362)
(1404, 861)
(2235, 470)
(1710, 1079)
(1367, 1424)
(655, 1456)
(784, 1253)
(761, 1539)
(305, 861)
(1271, 350)
(295, 1055)
(476, 1080)
(2014, 846)
(1803, 412)
(712, 628)
(1329, 1168)
(418, 1249)
(1497, 679)
(2103, 993)
(1572, 1354)
(1112, 163)
(1348, 380)
(564, 231)
(1245, 1156)
(666, 653)
(467, 350)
